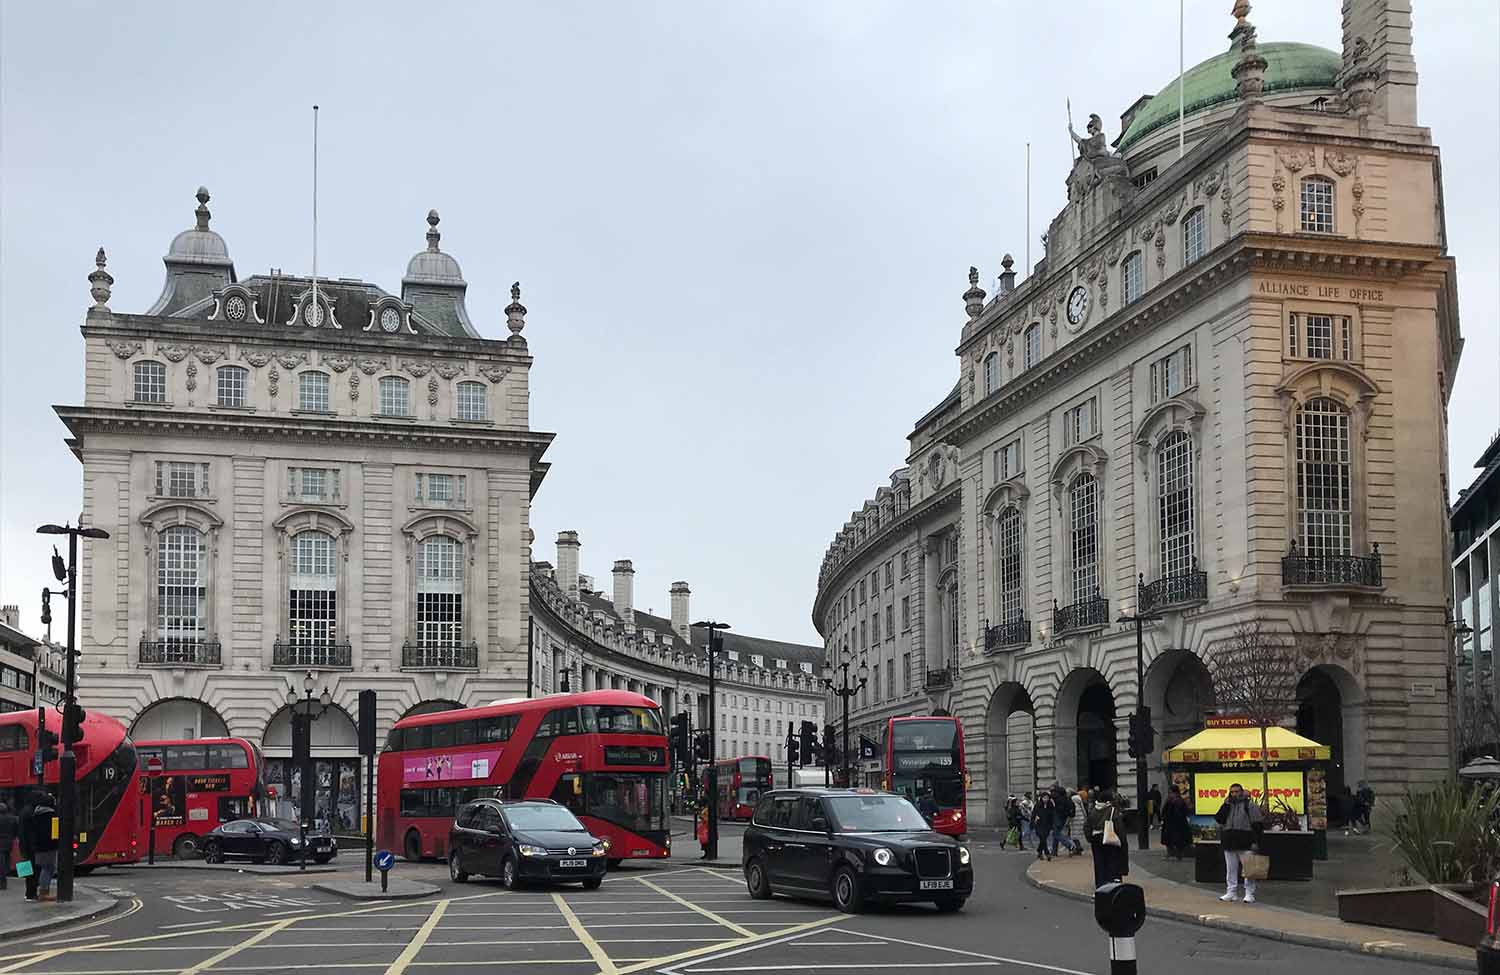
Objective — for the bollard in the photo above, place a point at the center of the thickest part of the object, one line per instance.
(1120, 910)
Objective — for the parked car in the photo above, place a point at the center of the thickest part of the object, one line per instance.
(267, 840)
(533, 839)
(852, 846)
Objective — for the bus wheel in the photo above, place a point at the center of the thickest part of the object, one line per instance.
(186, 847)
(413, 845)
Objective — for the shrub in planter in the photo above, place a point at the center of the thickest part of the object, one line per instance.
(1448, 834)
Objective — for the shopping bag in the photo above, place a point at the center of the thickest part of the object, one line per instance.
(1111, 836)
(1254, 866)
(23, 868)
(1013, 837)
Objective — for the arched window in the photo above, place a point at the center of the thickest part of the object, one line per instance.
(181, 589)
(233, 381)
(1325, 501)
(1031, 348)
(472, 401)
(991, 373)
(150, 382)
(312, 392)
(1317, 205)
(1174, 504)
(312, 604)
(1008, 552)
(1083, 542)
(1133, 277)
(1194, 236)
(395, 397)
(440, 587)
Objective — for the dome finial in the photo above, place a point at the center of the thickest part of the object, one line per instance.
(432, 232)
(1241, 11)
(99, 282)
(202, 213)
(515, 312)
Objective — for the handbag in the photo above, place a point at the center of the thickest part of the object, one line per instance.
(1111, 837)
(23, 868)
(1013, 836)
(1254, 866)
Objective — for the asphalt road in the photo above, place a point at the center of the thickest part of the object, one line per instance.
(676, 919)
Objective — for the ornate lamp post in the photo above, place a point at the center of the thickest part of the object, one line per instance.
(305, 710)
(844, 689)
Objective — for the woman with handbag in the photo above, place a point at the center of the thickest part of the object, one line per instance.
(1106, 829)
(1241, 823)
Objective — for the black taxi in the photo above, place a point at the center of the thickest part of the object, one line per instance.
(852, 846)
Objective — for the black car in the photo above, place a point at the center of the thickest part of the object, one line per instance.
(534, 839)
(267, 840)
(852, 846)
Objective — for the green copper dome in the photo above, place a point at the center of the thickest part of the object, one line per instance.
(1288, 67)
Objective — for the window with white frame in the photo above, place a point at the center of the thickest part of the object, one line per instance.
(1174, 503)
(442, 489)
(150, 382)
(1008, 554)
(472, 401)
(1324, 475)
(906, 672)
(1194, 236)
(181, 479)
(395, 396)
(1083, 523)
(991, 373)
(312, 392)
(312, 484)
(1316, 336)
(181, 590)
(1317, 205)
(1008, 461)
(312, 613)
(875, 626)
(231, 385)
(1081, 422)
(440, 585)
(1031, 348)
(1171, 374)
(890, 574)
(1133, 277)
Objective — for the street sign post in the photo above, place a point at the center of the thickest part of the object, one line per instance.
(384, 861)
(153, 776)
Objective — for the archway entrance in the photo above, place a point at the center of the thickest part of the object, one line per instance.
(1179, 690)
(1096, 736)
(431, 707)
(178, 718)
(336, 768)
(1320, 716)
(1010, 735)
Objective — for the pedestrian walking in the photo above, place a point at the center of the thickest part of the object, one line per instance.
(1078, 821)
(1027, 807)
(1043, 818)
(1012, 824)
(1106, 830)
(1241, 823)
(1062, 808)
(1364, 802)
(1153, 805)
(40, 846)
(10, 827)
(702, 830)
(1176, 831)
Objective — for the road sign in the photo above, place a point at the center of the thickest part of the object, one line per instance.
(153, 764)
(385, 860)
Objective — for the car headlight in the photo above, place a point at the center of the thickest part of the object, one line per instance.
(605, 843)
(600, 850)
(963, 855)
(532, 851)
(883, 857)
(296, 841)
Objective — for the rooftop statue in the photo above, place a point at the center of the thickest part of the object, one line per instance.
(1094, 146)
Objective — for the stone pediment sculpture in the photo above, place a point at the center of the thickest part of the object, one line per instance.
(1095, 162)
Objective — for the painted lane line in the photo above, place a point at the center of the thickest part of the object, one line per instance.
(606, 966)
(34, 958)
(825, 966)
(231, 952)
(737, 929)
(971, 954)
(744, 944)
(69, 941)
(418, 940)
(187, 924)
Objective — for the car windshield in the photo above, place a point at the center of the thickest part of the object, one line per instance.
(875, 814)
(542, 817)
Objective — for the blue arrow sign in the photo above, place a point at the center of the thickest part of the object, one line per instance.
(385, 860)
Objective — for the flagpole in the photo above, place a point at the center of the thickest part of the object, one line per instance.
(1028, 210)
(1181, 84)
(315, 307)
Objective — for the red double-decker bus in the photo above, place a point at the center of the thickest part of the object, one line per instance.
(108, 821)
(603, 754)
(924, 761)
(741, 781)
(203, 783)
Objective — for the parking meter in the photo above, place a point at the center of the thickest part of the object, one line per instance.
(1120, 910)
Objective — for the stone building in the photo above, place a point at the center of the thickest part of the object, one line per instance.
(301, 475)
(585, 640)
(1204, 403)
(31, 670)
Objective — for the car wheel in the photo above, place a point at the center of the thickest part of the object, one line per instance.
(412, 846)
(756, 880)
(276, 853)
(456, 872)
(509, 876)
(211, 851)
(186, 847)
(847, 895)
(949, 905)
(593, 883)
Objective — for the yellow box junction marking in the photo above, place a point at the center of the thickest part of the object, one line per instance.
(596, 951)
(419, 940)
(737, 929)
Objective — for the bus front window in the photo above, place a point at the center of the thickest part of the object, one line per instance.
(633, 800)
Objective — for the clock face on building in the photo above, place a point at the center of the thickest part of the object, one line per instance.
(1078, 305)
(390, 319)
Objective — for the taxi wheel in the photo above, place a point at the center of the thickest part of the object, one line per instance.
(756, 881)
(847, 895)
(455, 871)
(412, 846)
(593, 883)
(510, 877)
(949, 905)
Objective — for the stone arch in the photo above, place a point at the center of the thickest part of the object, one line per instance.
(1085, 730)
(1331, 711)
(178, 717)
(1179, 691)
(336, 762)
(1010, 742)
(434, 706)
(335, 731)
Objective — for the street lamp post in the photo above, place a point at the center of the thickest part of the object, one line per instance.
(1143, 714)
(711, 793)
(67, 766)
(845, 690)
(303, 715)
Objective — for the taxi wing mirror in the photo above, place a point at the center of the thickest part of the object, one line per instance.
(820, 824)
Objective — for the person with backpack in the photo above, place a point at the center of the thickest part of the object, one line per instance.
(1241, 823)
(1364, 802)
(1062, 811)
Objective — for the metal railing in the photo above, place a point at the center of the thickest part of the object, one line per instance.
(180, 653)
(1016, 632)
(1184, 587)
(938, 679)
(1093, 611)
(440, 656)
(309, 653)
(1332, 570)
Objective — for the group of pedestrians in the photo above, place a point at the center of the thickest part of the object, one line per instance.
(1045, 821)
(33, 830)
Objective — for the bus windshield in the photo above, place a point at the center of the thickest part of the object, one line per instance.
(615, 719)
(634, 800)
(875, 814)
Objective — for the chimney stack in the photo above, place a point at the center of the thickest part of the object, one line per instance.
(10, 615)
(680, 621)
(625, 591)
(567, 563)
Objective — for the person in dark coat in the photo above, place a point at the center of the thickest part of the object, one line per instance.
(23, 836)
(1176, 831)
(1111, 862)
(10, 827)
(1043, 817)
(38, 829)
(1241, 823)
(1153, 804)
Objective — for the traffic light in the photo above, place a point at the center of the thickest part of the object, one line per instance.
(809, 744)
(681, 745)
(830, 746)
(46, 607)
(791, 744)
(1142, 741)
(367, 722)
(72, 724)
(703, 747)
(46, 743)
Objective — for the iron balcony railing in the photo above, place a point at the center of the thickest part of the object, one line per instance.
(176, 652)
(1093, 611)
(301, 654)
(1332, 570)
(938, 679)
(1016, 632)
(1173, 590)
(440, 656)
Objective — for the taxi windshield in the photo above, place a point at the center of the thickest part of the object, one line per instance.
(875, 814)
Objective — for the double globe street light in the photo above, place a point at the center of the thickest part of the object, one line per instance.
(845, 690)
(305, 710)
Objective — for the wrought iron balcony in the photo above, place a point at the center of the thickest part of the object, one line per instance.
(1014, 633)
(1093, 611)
(176, 652)
(302, 654)
(1174, 590)
(1359, 571)
(440, 656)
(938, 679)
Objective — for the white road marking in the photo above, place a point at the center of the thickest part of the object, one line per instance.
(69, 941)
(187, 924)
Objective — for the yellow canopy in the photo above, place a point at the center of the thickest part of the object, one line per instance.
(1215, 745)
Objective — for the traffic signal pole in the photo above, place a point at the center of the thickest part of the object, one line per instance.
(67, 768)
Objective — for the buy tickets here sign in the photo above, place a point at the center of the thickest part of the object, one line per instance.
(1210, 789)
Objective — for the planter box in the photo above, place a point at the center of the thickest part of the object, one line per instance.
(1441, 909)
(1291, 857)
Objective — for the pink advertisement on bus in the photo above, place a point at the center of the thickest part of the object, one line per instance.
(459, 766)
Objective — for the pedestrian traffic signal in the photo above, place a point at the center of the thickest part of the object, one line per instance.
(72, 725)
(792, 750)
(1142, 740)
(809, 744)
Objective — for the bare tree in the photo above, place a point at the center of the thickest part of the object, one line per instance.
(1255, 672)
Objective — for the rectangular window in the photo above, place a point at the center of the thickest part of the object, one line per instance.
(1080, 423)
(442, 489)
(1008, 461)
(1194, 236)
(890, 676)
(1032, 347)
(181, 479)
(1133, 277)
(1084, 500)
(1291, 335)
(1171, 374)
(312, 484)
(890, 574)
(472, 401)
(1344, 338)
(905, 613)
(864, 633)
(890, 616)
(875, 627)
(231, 387)
(904, 570)
(150, 382)
(1317, 205)
(312, 392)
(906, 672)
(1320, 336)
(394, 397)
(861, 590)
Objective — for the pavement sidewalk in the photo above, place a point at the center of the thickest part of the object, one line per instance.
(20, 918)
(1074, 877)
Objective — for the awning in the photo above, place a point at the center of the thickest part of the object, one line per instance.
(1215, 745)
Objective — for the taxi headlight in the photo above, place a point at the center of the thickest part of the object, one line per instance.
(963, 855)
(883, 857)
(532, 851)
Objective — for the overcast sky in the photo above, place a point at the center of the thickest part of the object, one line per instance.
(741, 229)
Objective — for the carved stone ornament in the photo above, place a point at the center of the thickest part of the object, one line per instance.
(1345, 649)
(1342, 163)
(123, 350)
(1295, 160)
(1208, 184)
(274, 376)
(1161, 251)
(494, 373)
(432, 391)
(1103, 292)
(369, 366)
(1173, 210)
(1147, 231)
(448, 370)
(192, 376)
(256, 358)
(207, 355)
(290, 360)
(1224, 214)
(354, 386)
(1114, 250)
(172, 353)
(100, 281)
(338, 363)
(418, 368)
(1358, 191)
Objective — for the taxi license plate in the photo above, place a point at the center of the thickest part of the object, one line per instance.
(573, 864)
(936, 885)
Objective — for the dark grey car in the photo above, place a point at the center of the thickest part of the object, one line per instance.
(534, 839)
